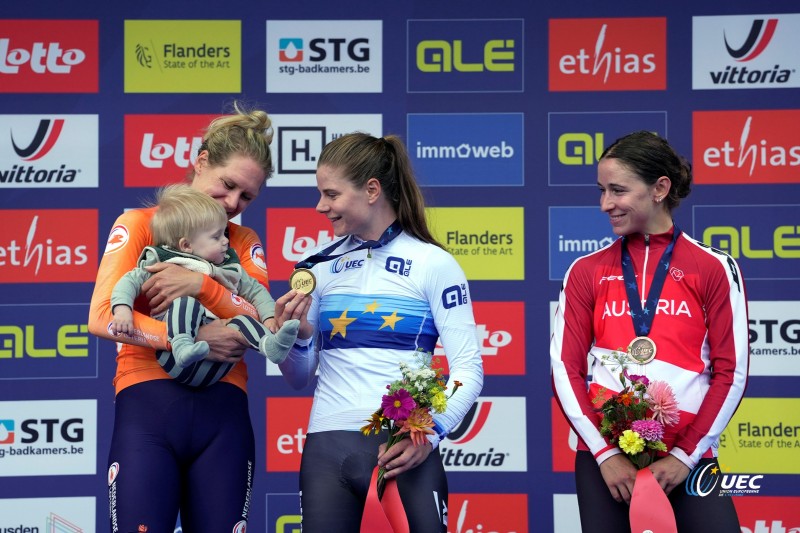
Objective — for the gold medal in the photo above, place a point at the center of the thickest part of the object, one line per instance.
(302, 280)
(642, 350)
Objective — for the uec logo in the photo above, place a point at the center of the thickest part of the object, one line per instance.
(702, 482)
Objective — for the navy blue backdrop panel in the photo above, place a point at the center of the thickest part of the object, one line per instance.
(505, 107)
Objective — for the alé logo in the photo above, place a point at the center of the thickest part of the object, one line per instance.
(48, 56)
(608, 54)
(160, 149)
(291, 234)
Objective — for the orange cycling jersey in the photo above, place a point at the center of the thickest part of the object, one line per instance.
(136, 360)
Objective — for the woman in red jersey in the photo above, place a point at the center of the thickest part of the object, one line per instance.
(686, 301)
(173, 443)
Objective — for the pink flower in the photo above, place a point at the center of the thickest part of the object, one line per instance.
(662, 401)
(650, 430)
(397, 406)
(636, 378)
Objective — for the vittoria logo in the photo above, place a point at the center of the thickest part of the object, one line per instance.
(745, 51)
(491, 437)
(46, 135)
(41, 151)
(757, 40)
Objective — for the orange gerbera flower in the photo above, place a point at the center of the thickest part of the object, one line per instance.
(417, 425)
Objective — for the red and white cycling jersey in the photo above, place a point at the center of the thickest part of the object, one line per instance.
(700, 330)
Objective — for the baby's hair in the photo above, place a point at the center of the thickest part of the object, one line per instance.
(181, 211)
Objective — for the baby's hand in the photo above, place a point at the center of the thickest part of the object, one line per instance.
(271, 324)
(123, 320)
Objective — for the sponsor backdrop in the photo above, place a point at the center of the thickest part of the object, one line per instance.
(505, 111)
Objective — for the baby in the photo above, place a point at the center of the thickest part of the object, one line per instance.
(188, 229)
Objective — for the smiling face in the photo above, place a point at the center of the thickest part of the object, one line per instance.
(631, 204)
(348, 208)
(233, 185)
(210, 243)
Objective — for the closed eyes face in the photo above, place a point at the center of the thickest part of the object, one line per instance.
(233, 185)
(211, 244)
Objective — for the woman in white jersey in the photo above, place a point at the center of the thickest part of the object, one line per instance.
(385, 290)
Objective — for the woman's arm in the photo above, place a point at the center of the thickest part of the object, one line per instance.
(128, 237)
(570, 342)
(728, 340)
(300, 365)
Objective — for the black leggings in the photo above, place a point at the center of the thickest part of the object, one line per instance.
(335, 474)
(601, 513)
(178, 447)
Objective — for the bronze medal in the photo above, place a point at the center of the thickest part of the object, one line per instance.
(302, 280)
(642, 350)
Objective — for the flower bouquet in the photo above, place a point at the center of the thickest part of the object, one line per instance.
(407, 408)
(635, 418)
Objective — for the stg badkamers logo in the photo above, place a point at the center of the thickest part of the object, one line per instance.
(704, 479)
(745, 51)
(324, 56)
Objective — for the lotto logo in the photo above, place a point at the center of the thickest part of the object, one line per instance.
(48, 56)
(161, 149)
(291, 235)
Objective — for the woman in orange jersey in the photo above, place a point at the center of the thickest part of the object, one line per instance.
(173, 443)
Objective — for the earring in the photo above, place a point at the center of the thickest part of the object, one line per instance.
(658, 199)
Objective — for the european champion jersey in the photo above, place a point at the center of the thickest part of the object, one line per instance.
(375, 308)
